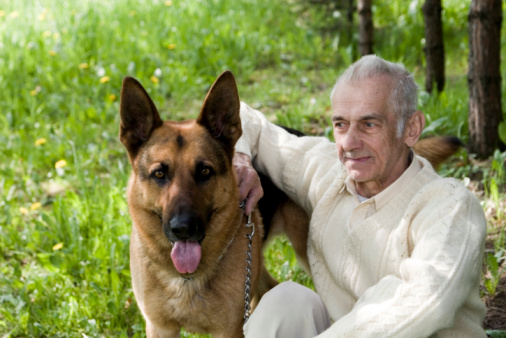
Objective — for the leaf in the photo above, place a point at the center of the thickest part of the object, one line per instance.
(502, 131)
(489, 286)
(496, 333)
(494, 190)
(493, 266)
(432, 127)
(115, 283)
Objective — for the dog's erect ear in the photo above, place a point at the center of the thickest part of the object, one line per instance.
(220, 111)
(139, 116)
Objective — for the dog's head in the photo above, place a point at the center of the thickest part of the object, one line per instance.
(182, 175)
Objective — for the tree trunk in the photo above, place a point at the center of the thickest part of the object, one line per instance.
(484, 77)
(350, 11)
(434, 47)
(365, 31)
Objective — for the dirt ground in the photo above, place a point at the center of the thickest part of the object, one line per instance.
(496, 308)
(496, 305)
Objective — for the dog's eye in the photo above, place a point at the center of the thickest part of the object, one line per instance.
(159, 174)
(205, 172)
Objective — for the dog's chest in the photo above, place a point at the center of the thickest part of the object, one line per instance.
(200, 308)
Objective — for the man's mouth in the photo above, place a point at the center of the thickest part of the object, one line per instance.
(357, 159)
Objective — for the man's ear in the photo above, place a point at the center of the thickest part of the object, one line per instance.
(414, 128)
(220, 111)
(139, 116)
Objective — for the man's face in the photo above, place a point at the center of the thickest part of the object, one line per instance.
(365, 135)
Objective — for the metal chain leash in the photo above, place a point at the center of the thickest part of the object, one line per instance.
(247, 284)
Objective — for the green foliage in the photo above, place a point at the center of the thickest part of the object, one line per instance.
(495, 270)
(282, 263)
(502, 131)
(496, 333)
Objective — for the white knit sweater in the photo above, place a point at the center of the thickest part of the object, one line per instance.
(405, 263)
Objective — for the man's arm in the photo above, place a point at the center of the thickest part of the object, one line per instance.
(436, 286)
(294, 164)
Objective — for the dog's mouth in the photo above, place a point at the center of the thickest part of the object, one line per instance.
(186, 233)
(186, 256)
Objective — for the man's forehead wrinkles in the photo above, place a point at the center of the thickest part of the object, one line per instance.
(372, 116)
(365, 117)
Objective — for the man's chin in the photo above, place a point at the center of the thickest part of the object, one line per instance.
(358, 176)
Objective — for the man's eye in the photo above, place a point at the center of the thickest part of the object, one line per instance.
(370, 124)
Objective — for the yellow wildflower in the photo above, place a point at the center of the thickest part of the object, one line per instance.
(168, 3)
(52, 53)
(14, 14)
(171, 46)
(154, 79)
(57, 246)
(24, 211)
(35, 206)
(2, 14)
(46, 34)
(112, 97)
(132, 13)
(104, 79)
(83, 65)
(43, 14)
(35, 91)
(60, 164)
(40, 141)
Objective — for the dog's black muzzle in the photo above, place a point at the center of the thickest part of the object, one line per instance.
(184, 227)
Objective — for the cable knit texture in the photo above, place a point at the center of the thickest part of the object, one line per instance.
(405, 263)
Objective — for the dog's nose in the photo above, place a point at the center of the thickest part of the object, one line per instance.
(185, 226)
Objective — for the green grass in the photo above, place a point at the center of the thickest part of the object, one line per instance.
(64, 232)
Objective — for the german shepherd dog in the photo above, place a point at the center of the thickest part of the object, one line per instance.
(189, 244)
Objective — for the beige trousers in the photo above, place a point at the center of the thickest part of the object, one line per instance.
(289, 310)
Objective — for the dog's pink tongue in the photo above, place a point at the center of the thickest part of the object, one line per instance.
(186, 256)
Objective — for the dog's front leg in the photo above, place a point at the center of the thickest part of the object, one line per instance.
(237, 333)
(157, 332)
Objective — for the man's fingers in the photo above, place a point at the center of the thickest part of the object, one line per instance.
(254, 196)
(250, 188)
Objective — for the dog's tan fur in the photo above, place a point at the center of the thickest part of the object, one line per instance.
(437, 149)
(196, 158)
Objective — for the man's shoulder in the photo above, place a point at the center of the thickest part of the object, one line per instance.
(444, 192)
(428, 185)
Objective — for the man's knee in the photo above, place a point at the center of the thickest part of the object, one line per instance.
(290, 295)
(289, 308)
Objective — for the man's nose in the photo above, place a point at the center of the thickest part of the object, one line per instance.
(351, 140)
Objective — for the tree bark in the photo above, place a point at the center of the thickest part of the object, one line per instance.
(365, 30)
(350, 11)
(484, 77)
(434, 47)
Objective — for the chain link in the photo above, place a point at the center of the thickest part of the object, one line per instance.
(247, 284)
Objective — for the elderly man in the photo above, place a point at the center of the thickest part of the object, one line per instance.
(393, 248)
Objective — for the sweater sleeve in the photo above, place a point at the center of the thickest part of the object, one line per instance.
(292, 163)
(437, 285)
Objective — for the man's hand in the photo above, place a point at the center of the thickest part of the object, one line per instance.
(250, 188)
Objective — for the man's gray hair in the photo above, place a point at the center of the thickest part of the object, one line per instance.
(403, 99)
